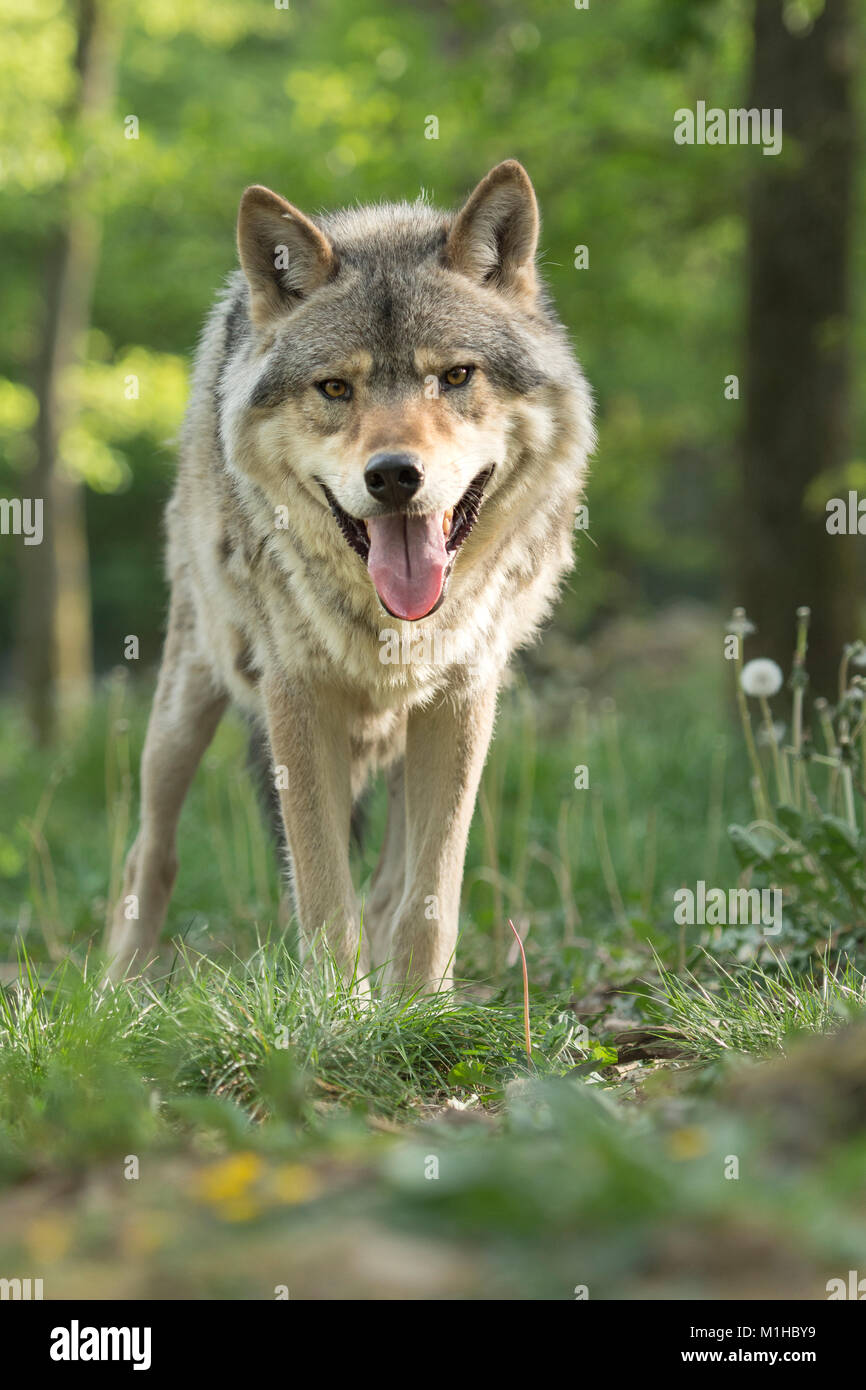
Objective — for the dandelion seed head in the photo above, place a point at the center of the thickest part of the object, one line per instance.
(768, 737)
(761, 677)
(739, 625)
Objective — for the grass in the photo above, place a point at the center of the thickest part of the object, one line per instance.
(572, 867)
(238, 1125)
(758, 1011)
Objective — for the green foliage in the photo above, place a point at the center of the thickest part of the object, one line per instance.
(818, 864)
(808, 841)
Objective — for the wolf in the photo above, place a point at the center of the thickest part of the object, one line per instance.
(387, 433)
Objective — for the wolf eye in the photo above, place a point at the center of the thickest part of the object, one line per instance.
(457, 376)
(335, 390)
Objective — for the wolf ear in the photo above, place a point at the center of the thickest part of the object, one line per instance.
(283, 255)
(495, 234)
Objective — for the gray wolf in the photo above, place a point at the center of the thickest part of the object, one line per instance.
(387, 434)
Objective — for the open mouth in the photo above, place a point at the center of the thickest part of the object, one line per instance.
(409, 557)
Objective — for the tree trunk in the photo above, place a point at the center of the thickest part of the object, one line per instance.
(797, 356)
(54, 637)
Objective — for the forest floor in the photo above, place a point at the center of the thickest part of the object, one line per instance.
(691, 1122)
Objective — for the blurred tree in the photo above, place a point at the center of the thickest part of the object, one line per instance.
(54, 638)
(798, 331)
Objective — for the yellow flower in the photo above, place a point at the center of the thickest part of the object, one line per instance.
(144, 1233)
(688, 1142)
(239, 1209)
(294, 1182)
(48, 1238)
(229, 1179)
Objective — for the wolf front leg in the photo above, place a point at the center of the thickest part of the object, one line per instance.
(308, 729)
(186, 710)
(445, 750)
(389, 879)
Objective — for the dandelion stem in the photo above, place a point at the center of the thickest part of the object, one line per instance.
(762, 799)
(846, 773)
(782, 785)
(848, 788)
(799, 682)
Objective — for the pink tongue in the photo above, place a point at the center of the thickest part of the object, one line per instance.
(407, 562)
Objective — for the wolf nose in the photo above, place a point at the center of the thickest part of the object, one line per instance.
(393, 478)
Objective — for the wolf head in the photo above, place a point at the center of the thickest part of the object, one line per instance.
(396, 354)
